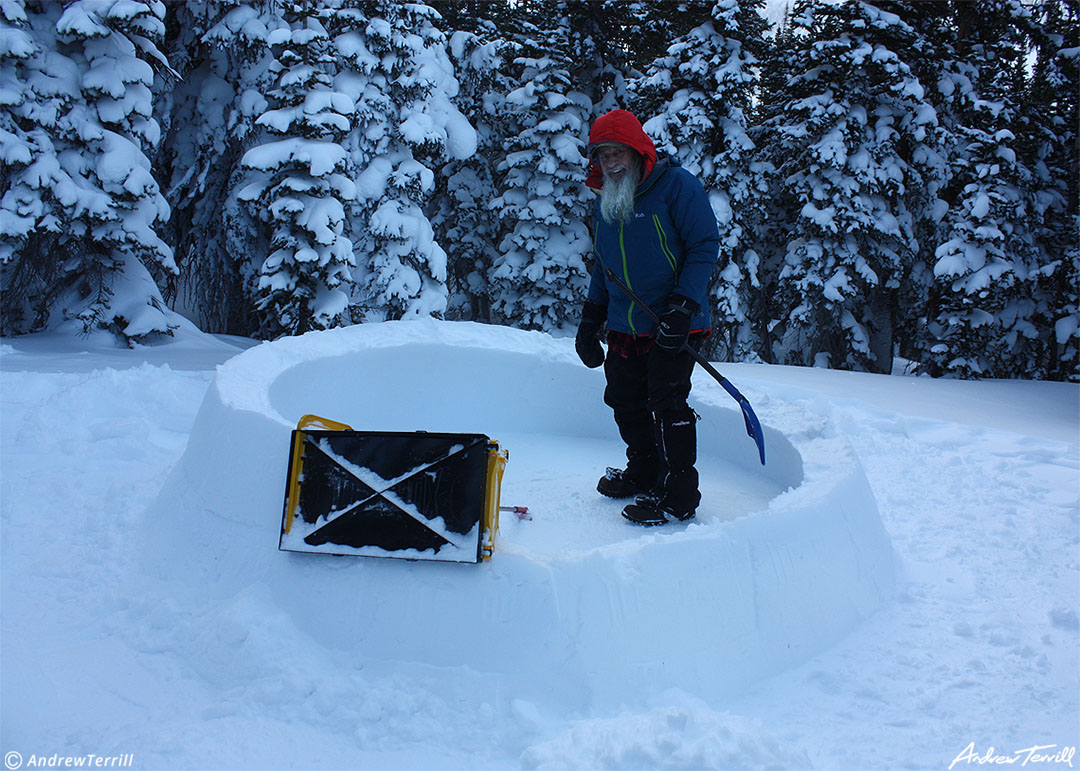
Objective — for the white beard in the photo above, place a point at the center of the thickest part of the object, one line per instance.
(617, 197)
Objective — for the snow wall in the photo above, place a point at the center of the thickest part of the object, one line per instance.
(707, 607)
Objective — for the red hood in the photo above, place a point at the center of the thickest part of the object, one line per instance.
(623, 127)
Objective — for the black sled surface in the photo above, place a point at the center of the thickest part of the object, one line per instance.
(411, 495)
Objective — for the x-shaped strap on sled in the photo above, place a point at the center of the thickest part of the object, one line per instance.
(394, 491)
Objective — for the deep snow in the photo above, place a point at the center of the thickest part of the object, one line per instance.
(146, 609)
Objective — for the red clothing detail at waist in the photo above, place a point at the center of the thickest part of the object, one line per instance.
(627, 346)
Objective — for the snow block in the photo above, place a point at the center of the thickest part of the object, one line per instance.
(708, 607)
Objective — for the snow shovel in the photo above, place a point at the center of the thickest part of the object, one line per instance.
(414, 495)
(753, 425)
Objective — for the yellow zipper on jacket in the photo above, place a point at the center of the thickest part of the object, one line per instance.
(626, 278)
(674, 263)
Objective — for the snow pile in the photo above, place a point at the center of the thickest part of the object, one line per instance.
(780, 565)
(679, 736)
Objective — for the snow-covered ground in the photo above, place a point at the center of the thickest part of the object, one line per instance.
(800, 622)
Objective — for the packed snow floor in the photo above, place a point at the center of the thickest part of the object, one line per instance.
(124, 632)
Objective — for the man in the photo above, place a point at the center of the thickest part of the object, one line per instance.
(653, 227)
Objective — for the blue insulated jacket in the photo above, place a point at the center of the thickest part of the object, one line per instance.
(670, 247)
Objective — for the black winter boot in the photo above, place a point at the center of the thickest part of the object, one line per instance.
(654, 509)
(621, 483)
(638, 429)
(677, 496)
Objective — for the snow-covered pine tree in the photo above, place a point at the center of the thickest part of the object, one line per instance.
(931, 56)
(845, 140)
(28, 269)
(461, 216)
(982, 312)
(675, 97)
(698, 99)
(774, 65)
(539, 278)
(605, 35)
(766, 224)
(224, 63)
(395, 67)
(643, 30)
(297, 179)
(1051, 119)
(81, 210)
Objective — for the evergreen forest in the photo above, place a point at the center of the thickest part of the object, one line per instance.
(892, 179)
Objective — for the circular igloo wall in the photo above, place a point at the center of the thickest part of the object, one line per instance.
(782, 560)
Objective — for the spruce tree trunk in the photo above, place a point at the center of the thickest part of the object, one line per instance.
(881, 328)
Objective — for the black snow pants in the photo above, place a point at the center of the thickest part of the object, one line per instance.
(648, 393)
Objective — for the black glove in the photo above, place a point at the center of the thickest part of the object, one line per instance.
(587, 342)
(674, 328)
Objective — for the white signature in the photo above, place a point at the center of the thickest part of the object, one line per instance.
(1045, 753)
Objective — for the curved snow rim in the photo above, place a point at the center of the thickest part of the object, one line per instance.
(710, 606)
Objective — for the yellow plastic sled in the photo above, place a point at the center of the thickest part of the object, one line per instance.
(411, 495)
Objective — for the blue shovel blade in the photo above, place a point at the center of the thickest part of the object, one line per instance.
(753, 425)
